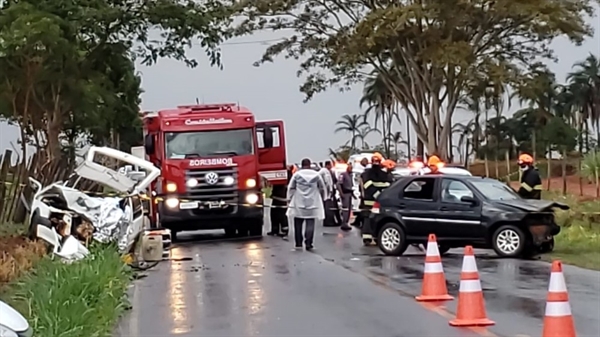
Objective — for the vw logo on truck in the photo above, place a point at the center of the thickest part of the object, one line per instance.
(212, 178)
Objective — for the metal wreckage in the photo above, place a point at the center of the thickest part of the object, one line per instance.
(67, 217)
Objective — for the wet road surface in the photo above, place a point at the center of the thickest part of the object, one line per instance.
(217, 287)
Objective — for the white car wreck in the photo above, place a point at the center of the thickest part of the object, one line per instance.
(64, 215)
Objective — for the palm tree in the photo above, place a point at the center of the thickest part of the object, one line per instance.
(585, 86)
(380, 103)
(353, 125)
(362, 134)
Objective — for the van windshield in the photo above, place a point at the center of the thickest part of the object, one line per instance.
(190, 144)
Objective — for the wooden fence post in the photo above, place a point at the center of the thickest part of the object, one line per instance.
(4, 187)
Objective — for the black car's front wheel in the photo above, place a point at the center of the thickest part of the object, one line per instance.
(547, 247)
(509, 241)
(392, 239)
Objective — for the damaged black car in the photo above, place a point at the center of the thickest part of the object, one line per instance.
(463, 210)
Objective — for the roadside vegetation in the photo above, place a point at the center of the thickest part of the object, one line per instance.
(67, 80)
(579, 241)
(17, 253)
(84, 298)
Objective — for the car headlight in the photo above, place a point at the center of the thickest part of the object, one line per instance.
(191, 183)
(228, 180)
(172, 202)
(252, 198)
(6, 332)
(250, 183)
(171, 187)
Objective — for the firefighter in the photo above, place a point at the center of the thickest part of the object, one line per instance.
(434, 163)
(373, 181)
(531, 182)
(389, 166)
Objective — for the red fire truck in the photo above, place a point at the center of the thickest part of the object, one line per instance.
(214, 159)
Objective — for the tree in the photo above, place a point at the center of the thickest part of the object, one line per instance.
(77, 57)
(381, 103)
(585, 88)
(352, 124)
(438, 46)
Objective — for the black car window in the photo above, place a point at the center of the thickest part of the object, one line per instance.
(421, 188)
(453, 190)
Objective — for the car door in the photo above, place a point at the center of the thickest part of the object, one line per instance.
(417, 205)
(457, 218)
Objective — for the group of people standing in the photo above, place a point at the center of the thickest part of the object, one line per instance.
(310, 196)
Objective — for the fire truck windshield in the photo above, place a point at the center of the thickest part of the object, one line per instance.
(179, 145)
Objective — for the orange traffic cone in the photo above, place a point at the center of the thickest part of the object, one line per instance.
(471, 306)
(434, 282)
(558, 321)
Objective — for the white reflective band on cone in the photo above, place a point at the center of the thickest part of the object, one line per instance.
(470, 286)
(469, 264)
(433, 267)
(558, 309)
(432, 249)
(557, 283)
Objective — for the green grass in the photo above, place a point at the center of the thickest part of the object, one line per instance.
(7, 229)
(84, 298)
(578, 243)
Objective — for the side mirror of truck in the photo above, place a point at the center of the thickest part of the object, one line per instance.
(149, 144)
(268, 137)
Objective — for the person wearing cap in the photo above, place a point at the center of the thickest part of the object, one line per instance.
(531, 182)
(373, 181)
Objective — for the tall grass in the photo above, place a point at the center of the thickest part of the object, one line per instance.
(82, 299)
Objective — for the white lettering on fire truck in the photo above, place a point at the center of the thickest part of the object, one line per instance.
(208, 121)
(212, 162)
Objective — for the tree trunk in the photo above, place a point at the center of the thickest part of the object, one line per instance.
(564, 171)
(549, 164)
(507, 159)
(408, 136)
(487, 147)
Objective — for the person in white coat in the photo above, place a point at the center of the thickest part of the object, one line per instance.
(306, 192)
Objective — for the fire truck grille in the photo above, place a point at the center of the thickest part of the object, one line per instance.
(213, 185)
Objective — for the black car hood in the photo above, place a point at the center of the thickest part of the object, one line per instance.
(532, 205)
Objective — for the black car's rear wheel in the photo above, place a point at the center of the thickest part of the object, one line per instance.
(509, 241)
(392, 239)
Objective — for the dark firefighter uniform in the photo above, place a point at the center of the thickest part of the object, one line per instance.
(279, 219)
(531, 182)
(374, 181)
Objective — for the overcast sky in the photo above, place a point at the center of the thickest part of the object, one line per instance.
(271, 91)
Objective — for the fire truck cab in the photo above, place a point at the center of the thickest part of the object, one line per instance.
(214, 159)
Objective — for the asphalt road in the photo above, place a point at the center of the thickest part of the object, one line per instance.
(218, 287)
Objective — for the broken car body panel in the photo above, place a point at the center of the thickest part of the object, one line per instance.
(65, 210)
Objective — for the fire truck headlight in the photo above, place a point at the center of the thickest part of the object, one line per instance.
(228, 180)
(192, 183)
(250, 183)
(172, 202)
(252, 198)
(171, 187)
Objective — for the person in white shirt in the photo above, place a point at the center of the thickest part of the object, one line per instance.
(306, 192)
